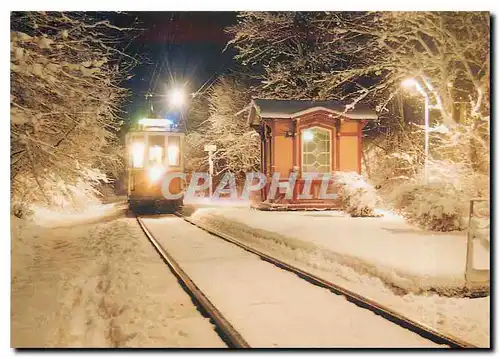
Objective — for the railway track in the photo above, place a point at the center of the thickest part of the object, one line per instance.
(226, 331)
(235, 340)
(387, 313)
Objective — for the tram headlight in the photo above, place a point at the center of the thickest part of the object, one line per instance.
(137, 152)
(156, 172)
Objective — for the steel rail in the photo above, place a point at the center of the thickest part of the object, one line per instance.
(227, 332)
(387, 313)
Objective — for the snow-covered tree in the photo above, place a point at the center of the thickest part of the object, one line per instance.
(366, 56)
(238, 147)
(290, 50)
(65, 91)
(447, 52)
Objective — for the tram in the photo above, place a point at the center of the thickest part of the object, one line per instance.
(154, 149)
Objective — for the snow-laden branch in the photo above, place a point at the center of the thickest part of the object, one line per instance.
(64, 97)
(238, 147)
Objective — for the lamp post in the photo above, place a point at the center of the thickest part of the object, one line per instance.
(413, 83)
(210, 148)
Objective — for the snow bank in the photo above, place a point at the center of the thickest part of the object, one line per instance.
(48, 218)
(357, 196)
(384, 259)
(387, 247)
(217, 202)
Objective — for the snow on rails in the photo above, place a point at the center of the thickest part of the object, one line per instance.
(232, 338)
(232, 319)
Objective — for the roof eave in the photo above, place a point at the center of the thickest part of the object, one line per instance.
(255, 112)
(350, 115)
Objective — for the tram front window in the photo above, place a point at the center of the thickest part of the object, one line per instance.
(137, 154)
(156, 153)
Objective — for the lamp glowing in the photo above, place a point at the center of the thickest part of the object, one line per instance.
(177, 97)
(411, 83)
(155, 172)
(307, 136)
(155, 122)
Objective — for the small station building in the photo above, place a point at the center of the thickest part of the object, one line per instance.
(301, 136)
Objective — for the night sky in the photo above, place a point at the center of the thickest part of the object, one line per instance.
(176, 49)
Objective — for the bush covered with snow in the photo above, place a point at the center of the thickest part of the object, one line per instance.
(358, 197)
(458, 170)
(433, 206)
(443, 203)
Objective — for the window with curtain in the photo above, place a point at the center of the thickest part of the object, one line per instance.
(316, 156)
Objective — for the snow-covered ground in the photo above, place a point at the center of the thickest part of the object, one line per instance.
(219, 202)
(47, 218)
(381, 258)
(268, 306)
(389, 248)
(95, 281)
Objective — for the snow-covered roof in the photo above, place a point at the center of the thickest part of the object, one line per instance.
(277, 108)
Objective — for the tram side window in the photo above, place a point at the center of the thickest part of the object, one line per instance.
(137, 154)
(156, 153)
(173, 151)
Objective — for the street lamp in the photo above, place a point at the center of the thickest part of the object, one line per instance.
(177, 97)
(210, 148)
(411, 83)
